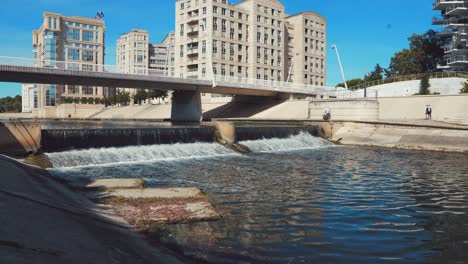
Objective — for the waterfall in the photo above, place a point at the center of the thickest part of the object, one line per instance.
(164, 152)
(303, 140)
(92, 157)
(265, 132)
(66, 139)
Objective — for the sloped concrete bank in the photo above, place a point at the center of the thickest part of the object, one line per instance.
(43, 221)
(397, 135)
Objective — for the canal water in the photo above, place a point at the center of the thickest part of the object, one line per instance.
(302, 200)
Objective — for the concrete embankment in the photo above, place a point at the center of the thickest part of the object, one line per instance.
(434, 137)
(42, 221)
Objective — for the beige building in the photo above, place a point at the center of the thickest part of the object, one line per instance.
(74, 39)
(306, 48)
(136, 55)
(249, 39)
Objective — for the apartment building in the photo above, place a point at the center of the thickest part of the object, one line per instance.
(248, 39)
(135, 54)
(73, 39)
(454, 21)
(27, 98)
(306, 48)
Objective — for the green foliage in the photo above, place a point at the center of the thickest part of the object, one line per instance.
(424, 85)
(140, 96)
(351, 83)
(375, 75)
(10, 104)
(465, 88)
(155, 94)
(123, 98)
(67, 100)
(422, 56)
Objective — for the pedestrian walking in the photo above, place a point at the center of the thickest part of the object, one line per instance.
(430, 112)
(427, 111)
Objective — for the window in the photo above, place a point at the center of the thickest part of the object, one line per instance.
(215, 9)
(204, 46)
(204, 10)
(88, 35)
(215, 23)
(223, 11)
(73, 34)
(50, 94)
(88, 55)
(215, 46)
(181, 29)
(181, 51)
(139, 56)
(50, 22)
(88, 90)
(73, 89)
(73, 54)
(182, 6)
(232, 13)
(55, 23)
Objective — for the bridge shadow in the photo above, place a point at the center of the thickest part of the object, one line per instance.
(240, 109)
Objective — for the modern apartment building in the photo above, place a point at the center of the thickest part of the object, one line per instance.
(27, 99)
(135, 54)
(306, 48)
(74, 40)
(251, 39)
(454, 20)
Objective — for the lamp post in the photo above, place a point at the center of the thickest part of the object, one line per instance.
(341, 66)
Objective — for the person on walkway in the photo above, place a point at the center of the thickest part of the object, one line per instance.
(427, 111)
(430, 112)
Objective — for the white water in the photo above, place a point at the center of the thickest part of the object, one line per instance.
(89, 157)
(301, 141)
(109, 156)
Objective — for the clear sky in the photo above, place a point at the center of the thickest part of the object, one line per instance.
(366, 31)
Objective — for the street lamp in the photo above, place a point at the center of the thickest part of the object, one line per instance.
(341, 66)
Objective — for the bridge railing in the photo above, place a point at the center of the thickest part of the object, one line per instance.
(90, 67)
(270, 85)
(411, 77)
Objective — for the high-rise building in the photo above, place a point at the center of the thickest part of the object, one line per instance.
(454, 17)
(135, 54)
(306, 48)
(251, 39)
(27, 99)
(74, 39)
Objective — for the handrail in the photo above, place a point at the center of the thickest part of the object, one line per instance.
(411, 77)
(145, 71)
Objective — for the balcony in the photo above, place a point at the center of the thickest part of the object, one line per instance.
(446, 33)
(193, 22)
(457, 60)
(456, 10)
(192, 52)
(438, 20)
(443, 4)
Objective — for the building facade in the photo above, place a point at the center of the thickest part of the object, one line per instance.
(306, 48)
(249, 39)
(135, 54)
(27, 99)
(74, 39)
(454, 20)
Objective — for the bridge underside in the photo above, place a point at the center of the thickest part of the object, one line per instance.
(186, 97)
(66, 77)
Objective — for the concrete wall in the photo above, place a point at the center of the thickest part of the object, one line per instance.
(64, 110)
(345, 110)
(444, 86)
(404, 137)
(19, 138)
(444, 107)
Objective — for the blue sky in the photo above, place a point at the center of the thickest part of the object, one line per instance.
(366, 31)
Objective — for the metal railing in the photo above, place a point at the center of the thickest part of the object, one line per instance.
(411, 77)
(367, 94)
(229, 81)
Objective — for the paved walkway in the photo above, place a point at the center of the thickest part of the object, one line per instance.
(426, 122)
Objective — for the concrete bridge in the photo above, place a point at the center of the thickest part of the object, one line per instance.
(186, 97)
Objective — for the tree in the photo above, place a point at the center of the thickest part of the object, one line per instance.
(375, 75)
(422, 56)
(403, 63)
(9, 104)
(424, 85)
(140, 96)
(123, 98)
(157, 94)
(465, 88)
(351, 83)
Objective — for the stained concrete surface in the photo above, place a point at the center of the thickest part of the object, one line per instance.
(42, 221)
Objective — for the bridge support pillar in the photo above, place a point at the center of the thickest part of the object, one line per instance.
(186, 106)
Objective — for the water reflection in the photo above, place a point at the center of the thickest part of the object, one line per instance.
(330, 205)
